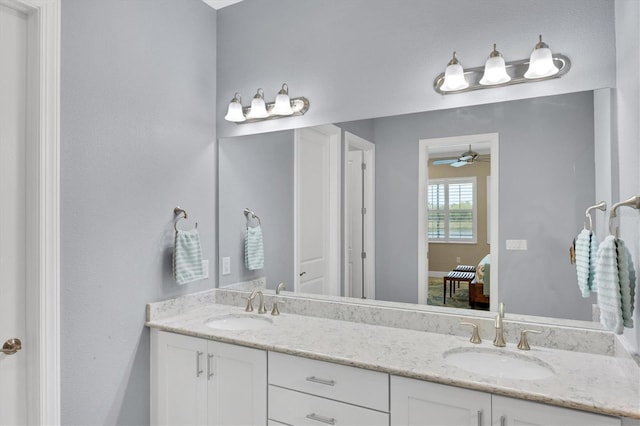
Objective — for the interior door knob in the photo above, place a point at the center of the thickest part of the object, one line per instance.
(11, 346)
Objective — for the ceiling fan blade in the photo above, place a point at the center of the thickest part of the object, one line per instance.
(448, 161)
(466, 157)
(459, 164)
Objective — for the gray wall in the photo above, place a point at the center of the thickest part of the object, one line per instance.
(257, 172)
(627, 13)
(546, 182)
(358, 59)
(137, 138)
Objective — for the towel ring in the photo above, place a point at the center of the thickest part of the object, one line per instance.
(248, 212)
(600, 206)
(633, 202)
(181, 214)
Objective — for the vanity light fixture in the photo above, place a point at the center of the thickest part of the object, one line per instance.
(283, 103)
(541, 65)
(261, 110)
(454, 76)
(495, 71)
(258, 107)
(234, 112)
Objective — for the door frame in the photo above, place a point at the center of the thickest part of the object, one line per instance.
(490, 139)
(369, 150)
(43, 209)
(333, 276)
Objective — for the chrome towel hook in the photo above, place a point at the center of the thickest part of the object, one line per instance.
(600, 206)
(181, 214)
(633, 202)
(248, 212)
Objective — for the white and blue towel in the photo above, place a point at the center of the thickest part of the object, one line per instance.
(627, 276)
(615, 275)
(586, 250)
(187, 257)
(253, 248)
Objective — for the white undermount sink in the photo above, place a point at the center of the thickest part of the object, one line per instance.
(239, 322)
(498, 363)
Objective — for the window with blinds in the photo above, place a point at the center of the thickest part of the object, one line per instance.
(451, 204)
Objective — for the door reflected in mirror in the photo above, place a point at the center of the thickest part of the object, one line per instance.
(456, 176)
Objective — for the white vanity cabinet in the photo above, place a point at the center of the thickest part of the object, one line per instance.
(414, 402)
(201, 382)
(512, 412)
(309, 392)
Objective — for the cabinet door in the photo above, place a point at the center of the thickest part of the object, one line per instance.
(512, 412)
(414, 402)
(178, 379)
(237, 385)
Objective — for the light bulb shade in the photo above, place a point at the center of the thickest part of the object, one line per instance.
(258, 108)
(541, 64)
(454, 79)
(283, 105)
(234, 112)
(495, 72)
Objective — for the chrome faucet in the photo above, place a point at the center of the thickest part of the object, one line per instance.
(499, 339)
(280, 287)
(261, 307)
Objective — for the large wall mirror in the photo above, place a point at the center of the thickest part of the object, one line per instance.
(308, 187)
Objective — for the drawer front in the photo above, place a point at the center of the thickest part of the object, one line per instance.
(348, 384)
(295, 408)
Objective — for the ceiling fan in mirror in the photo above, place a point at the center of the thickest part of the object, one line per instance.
(467, 157)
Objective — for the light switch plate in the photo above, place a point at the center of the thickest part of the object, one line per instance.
(516, 244)
(205, 268)
(226, 265)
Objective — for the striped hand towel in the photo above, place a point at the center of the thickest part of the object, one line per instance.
(253, 248)
(586, 248)
(627, 276)
(187, 257)
(609, 296)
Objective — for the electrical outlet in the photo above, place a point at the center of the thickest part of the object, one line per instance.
(205, 268)
(226, 265)
(458, 259)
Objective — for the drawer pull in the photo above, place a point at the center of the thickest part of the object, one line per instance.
(321, 419)
(198, 367)
(209, 369)
(315, 379)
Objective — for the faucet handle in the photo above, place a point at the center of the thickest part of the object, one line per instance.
(249, 307)
(475, 335)
(523, 344)
(275, 311)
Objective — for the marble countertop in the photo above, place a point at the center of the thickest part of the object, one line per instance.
(596, 383)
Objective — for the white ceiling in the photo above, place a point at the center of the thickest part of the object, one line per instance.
(219, 4)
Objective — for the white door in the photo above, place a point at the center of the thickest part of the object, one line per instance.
(13, 92)
(354, 207)
(414, 402)
(359, 221)
(317, 209)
